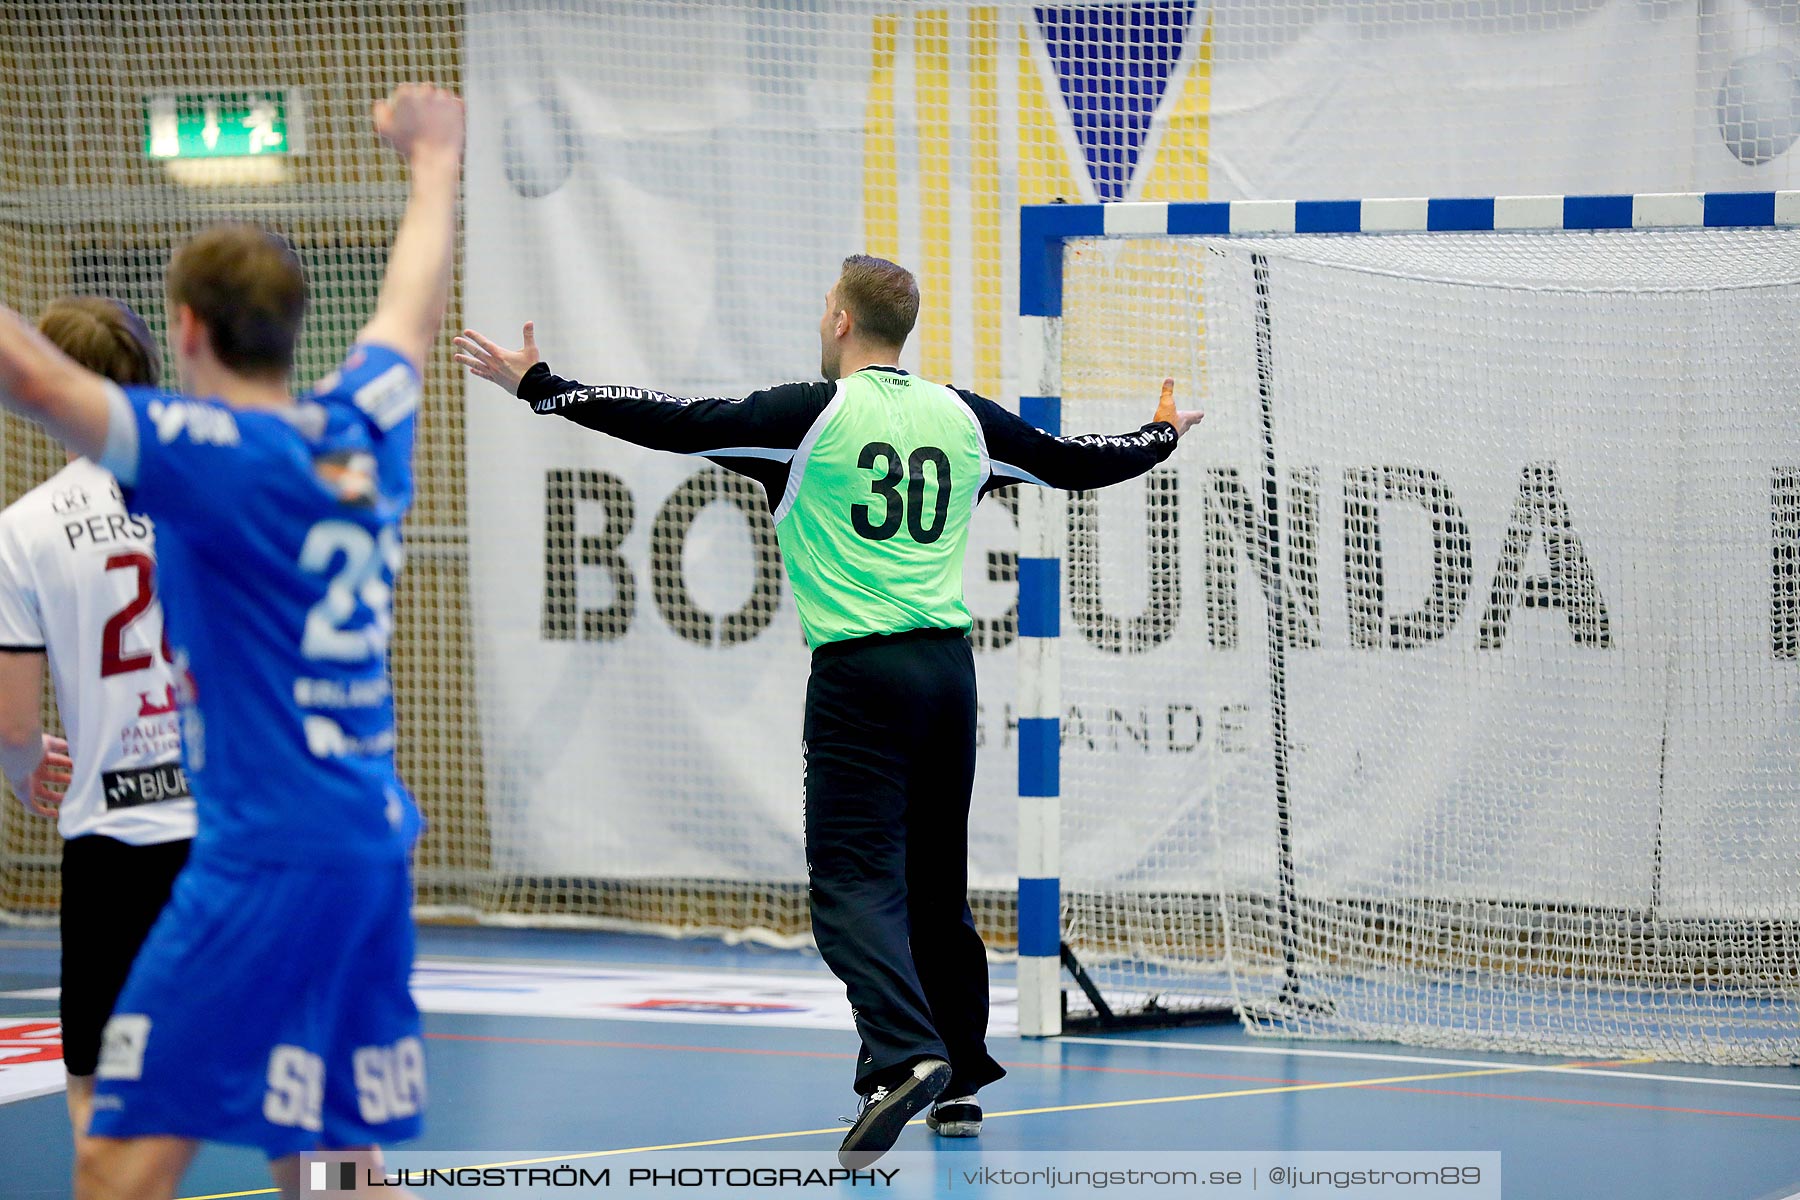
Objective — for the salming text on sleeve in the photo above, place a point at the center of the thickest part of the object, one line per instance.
(756, 436)
(1023, 453)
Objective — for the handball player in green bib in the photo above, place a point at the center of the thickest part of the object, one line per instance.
(872, 477)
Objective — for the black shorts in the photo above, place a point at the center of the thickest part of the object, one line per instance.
(112, 894)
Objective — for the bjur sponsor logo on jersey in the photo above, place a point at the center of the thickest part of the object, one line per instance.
(145, 785)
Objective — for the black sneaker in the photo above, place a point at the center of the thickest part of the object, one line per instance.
(960, 1117)
(885, 1112)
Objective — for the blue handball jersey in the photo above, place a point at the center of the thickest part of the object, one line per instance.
(278, 537)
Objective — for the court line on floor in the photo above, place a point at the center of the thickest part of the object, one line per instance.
(605, 1045)
(1370, 1056)
(1284, 1089)
(1661, 1108)
(1574, 1068)
(595, 1044)
(811, 969)
(831, 1054)
(1287, 1089)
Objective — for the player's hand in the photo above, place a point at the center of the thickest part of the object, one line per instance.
(1182, 419)
(420, 119)
(496, 363)
(47, 782)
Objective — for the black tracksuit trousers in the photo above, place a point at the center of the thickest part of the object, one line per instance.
(890, 762)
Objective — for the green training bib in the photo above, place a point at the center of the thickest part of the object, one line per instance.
(875, 519)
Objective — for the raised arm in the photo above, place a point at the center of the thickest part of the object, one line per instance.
(42, 384)
(1023, 453)
(425, 125)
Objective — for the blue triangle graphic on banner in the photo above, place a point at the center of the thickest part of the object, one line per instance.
(1113, 63)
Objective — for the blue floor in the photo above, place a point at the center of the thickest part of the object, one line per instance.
(560, 1086)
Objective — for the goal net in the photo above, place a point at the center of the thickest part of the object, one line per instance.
(128, 126)
(1456, 651)
(597, 667)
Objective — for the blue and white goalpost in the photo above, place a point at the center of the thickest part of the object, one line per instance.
(1503, 757)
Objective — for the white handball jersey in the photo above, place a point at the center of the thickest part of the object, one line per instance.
(78, 581)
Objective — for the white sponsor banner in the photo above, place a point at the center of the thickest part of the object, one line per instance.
(637, 737)
(1581, 702)
(1600, 98)
(668, 197)
(1534, 548)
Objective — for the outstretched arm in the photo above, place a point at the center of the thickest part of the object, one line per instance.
(1023, 453)
(764, 426)
(42, 384)
(425, 125)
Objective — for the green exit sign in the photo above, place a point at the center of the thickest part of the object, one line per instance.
(224, 124)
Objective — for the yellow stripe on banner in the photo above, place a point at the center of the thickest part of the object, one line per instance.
(931, 37)
(1044, 172)
(1180, 169)
(881, 166)
(984, 201)
(1179, 172)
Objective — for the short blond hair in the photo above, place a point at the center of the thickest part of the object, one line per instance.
(881, 297)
